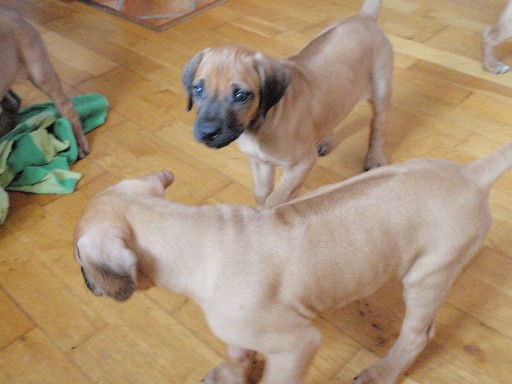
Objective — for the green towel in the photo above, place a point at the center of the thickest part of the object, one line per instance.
(35, 156)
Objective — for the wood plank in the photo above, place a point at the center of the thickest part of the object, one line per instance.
(34, 359)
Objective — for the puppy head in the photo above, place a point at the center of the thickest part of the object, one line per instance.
(233, 88)
(108, 266)
(102, 244)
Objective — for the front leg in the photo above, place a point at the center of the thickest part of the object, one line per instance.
(236, 369)
(293, 177)
(263, 174)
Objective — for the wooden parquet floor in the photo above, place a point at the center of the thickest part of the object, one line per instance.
(444, 105)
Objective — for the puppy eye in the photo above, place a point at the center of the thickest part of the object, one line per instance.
(241, 96)
(198, 90)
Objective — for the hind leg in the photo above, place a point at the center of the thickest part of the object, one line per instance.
(493, 36)
(381, 100)
(424, 294)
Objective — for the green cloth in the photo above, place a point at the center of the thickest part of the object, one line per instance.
(35, 156)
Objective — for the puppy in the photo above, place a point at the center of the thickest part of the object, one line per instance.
(282, 112)
(493, 36)
(261, 277)
(23, 53)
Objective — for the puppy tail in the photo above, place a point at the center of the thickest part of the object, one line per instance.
(487, 170)
(371, 8)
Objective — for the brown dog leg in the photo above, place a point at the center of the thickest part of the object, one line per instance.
(50, 84)
(10, 106)
(43, 75)
(381, 100)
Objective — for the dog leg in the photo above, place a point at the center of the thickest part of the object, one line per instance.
(291, 363)
(263, 174)
(493, 36)
(381, 99)
(236, 369)
(293, 178)
(45, 78)
(424, 293)
(10, 106)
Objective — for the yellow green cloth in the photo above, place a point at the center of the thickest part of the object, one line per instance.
(35, 156)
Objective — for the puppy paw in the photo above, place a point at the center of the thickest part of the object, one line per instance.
(366, 377)
(83, 148)
(498, 68)
(216, 375)
(222, 375)
(371, 164)
(325, 146)
(378, 373)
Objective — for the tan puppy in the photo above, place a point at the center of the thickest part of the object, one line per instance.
(22, 53)
(281, 110)
(493, 36)
(261, 277)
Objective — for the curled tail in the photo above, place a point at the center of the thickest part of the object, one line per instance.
(487, 170)
(371, 8)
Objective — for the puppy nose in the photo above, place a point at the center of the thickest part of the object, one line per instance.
(209, 135)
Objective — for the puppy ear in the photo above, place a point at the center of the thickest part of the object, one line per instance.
(187, 76)
(274, 79)
(140, 272)
(112, 264)
(160, 180)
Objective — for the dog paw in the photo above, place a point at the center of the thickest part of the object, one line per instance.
(215, 375)
(222, 375)
(371, 164)
(325, 147)
(498, 68)
(366, 377)
(83, 149)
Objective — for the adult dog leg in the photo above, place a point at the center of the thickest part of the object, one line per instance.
(236, 369)
(263, 174)
(293, 178)
(493, 36)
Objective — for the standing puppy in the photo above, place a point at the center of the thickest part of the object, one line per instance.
(262, 277)
(493, 36)
(284, 111)
(22, 53)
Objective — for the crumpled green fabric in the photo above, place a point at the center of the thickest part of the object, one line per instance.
(35, 156)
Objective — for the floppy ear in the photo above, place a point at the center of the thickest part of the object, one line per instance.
(126, 261)
(274, 79)
(161, 180)
(111, 262)
(187, 76)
